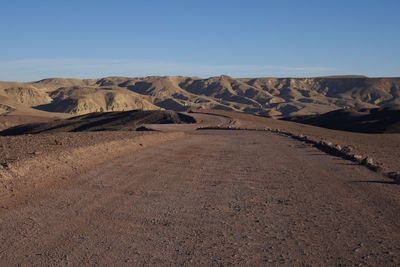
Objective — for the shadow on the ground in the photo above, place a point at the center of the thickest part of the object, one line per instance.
(376, 182)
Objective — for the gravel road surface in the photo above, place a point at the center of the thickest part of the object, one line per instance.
(211, 198)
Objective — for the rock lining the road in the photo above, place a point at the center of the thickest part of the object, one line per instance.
(346, 152)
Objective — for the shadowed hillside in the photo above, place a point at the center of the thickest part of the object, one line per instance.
(365, 120)
(102, 121)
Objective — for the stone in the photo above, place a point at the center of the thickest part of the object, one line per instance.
(357, 157)
(367, 161)
(58, 142)
(395, 176)
(347, 149)
(338, 147)
(329, 144)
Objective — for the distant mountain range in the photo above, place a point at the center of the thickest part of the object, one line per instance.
(276, 97)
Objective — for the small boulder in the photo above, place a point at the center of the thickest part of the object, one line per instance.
(347, 149)
(395, 176)
(58, 142)
(325, 144)
(328, 144)
(338, 147)
(5, 165)
(367, 161)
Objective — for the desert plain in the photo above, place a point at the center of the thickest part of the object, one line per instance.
(205, 172)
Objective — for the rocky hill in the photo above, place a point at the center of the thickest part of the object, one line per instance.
(276, 97)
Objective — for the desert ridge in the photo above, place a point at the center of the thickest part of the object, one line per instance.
(274, 97)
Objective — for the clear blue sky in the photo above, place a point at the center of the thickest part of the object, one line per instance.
(93, 38)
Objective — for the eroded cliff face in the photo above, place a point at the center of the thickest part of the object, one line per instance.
(278, 97)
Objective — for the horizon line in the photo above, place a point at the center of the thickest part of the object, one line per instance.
(345, 76)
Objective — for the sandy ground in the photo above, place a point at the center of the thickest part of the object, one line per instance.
(184, 197)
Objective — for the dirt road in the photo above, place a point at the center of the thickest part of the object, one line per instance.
(211, 198)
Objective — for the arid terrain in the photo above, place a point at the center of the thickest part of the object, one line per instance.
(185, 171)
(200, 133)
(181, 196)
(276, 97)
